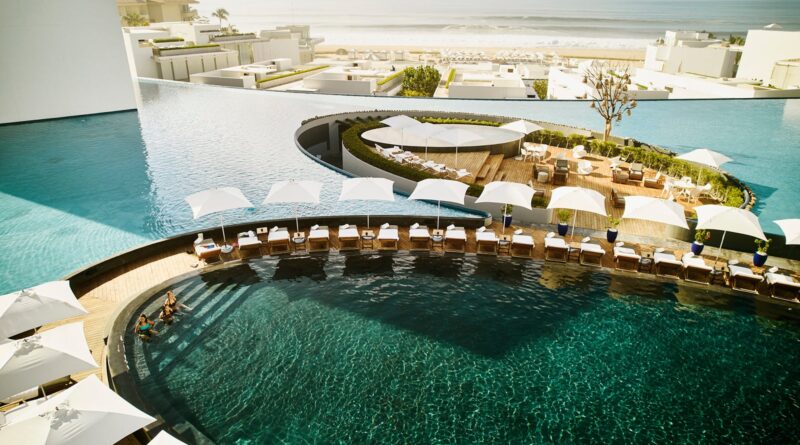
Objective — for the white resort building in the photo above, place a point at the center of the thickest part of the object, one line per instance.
(157, 10)
(482, 80)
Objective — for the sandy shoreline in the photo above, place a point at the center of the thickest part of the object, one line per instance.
(580, 53)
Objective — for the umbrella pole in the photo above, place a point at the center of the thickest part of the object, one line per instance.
(368, 220)
(574, 218)
(222, 224)
(426, 148)
(438, 212)
(296, 219)
(456, 156)
(719, 250)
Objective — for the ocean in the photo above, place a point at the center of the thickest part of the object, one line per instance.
(617, 24)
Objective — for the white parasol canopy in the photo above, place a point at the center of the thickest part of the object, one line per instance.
(522, 127)
(31, 308)
(728, 219)
(773, 26)
(790, 228)
(42, 358)
(164, 438)
(578, 199)
(293, 192)
(654, 209)
(425, 130)
(87, 413)
(217, 200)
(456, 137)
(440, 190)
(367, 189)
(401, 122)
(706, 157)
(503, 192)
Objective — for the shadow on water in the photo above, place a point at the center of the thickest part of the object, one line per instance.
(373, 265)
(762, 192)
(312, 268)
(438, 266)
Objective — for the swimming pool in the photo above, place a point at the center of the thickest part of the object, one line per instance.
(431, 349)
(74, 191)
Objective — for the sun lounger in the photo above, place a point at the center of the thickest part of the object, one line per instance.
(695, 269)
(319, 239)
(348, 238)
(626, 258)
(248, 241)
(420, 238)
(487, 242)
(556, 249)
(278, 241)
(388, 238)
(743, 279)
(455, 240)
(636, 172)
(521, 246)
(591, 254)
(783, 286)
(666, 265)
(618, 199)
(207, 249)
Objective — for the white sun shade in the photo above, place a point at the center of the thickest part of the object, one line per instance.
(503, 192)
(294, 191)
(217, 200)
(790, 228)
(424, 130)
(87, 413)
(42, 358)
(522, 127)
(578, 198)
(401, 121)
(164, 438)
(729, 219)
(30, 308)
(440, 190)
(458, 136)
(367, 189)
(706, 157)
(654, 209)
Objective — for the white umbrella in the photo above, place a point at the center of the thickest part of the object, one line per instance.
(458, 137)
(426, 130)
(367, 189)
(706, 157)
(577, 199)
(654, 209)
(773, 26)
(293, 192)
(440, 190)
(42, 358)
(217, 200)
(31, 308)
(790, 228)
(87, 413)
(164, 438)
(401, 122)
(522, 127)
(502, 192)
(728, 219)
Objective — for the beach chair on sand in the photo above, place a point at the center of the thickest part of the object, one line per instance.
(666, 265)
(783, 286)
(319, 239)
(591, 254)
(248, 241)
(207, 249)
(695, 269)
(626, 258)
(743, 279)
(455, 239)
(487, 242)
(521, 245)
(555, 249)
(388, 237)
(420, 238)
(348, 238)
(278, 241)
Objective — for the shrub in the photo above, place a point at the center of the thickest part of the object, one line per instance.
(390, 78)
(563, 215)
(540, 86)
(168, 40)
(208, 45)
(450, 77)
(539, 202)
(292, 73)
(423, 79)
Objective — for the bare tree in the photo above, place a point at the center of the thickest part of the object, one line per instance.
(610, 95)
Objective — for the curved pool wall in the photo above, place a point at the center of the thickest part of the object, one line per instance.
(498, 350)
(73, 191)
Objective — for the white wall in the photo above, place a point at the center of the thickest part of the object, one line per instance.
(765, 47)
(62, 59)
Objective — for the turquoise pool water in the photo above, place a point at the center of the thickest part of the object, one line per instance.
(74, 191)
(395, 349)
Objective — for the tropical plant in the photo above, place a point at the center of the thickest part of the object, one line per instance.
(763, 246)
(702, 236)
(539, 202)
(135, 19)
(221, 14)
(540, 86)
(421, 81)
(563, 215)
(736, 40)
(613, 222)
(507, 209)
(610, 97)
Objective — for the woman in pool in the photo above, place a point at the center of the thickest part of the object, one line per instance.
(144, 327)
(167, 314)
(172, 301)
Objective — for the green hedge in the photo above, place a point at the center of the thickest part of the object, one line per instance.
(208, 45)
(450, 77)
(168, 40)
(390, 78)
(293, 73)
(451, 120)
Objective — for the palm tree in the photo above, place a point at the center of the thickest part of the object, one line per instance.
(134, 19)
(221, 14)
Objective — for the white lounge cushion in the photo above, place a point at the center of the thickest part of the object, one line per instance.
(779, 278)
(689, 260)
(419, 233)
(249, 241)
(385, 226)
(319, 233)
(525, 240)
(415, 225)
(455, 233)
(626, 252)
(592, 247)
(739, 271)
(555, 242)
(278, 235)
(480, 229)
(348, 232)
(486, 235)
(388, 234)
(668, 258)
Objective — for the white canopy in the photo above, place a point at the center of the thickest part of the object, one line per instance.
(456, 137)
(217, 200)
(164, 438)
(503, 192)
(655, 209)
(42, 358)
(31, 308)
(773, 26)
(790, 228)
(401, 121)
(522, 127)
(87, 413)
(729, 219)
(578, 198)
(425, 130)
(293, 192)
(706, 157)
(440, 190)
(367, 189)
